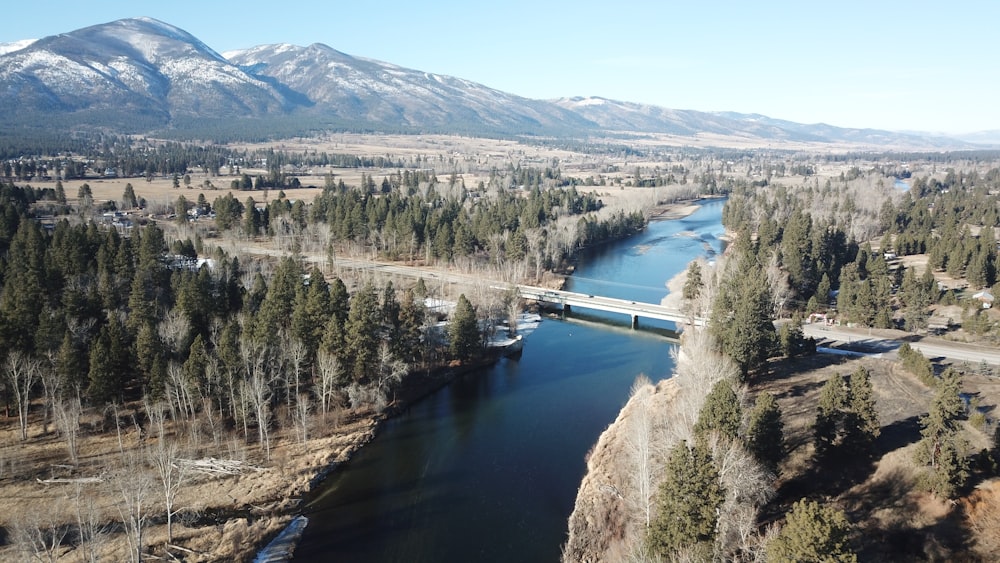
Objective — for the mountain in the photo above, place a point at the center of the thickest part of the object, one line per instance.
(138, 75)
(14, 46)
(627, 116)
(127, 69)
(356, 88)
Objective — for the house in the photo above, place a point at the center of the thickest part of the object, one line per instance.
(984, 297)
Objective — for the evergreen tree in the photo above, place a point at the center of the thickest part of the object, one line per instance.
(110, 362)
(129, 201)
(815, 533)
(362, 333)
(276, 309)
(312, 309)
(463, 331)
(742, 314)
(765, 432)
(861, 424)
(411, 322)
(828, 428)
(941, 447)
(823, 292)
(687, 503)
(693, 283)
(721, 412)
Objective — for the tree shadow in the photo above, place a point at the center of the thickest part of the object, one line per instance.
(897, 435)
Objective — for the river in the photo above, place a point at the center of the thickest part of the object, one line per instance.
(487, 468)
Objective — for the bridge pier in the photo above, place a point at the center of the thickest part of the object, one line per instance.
(566, 308)
(635, 322)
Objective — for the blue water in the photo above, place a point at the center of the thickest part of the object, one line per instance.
(487, 468)
(901, 185)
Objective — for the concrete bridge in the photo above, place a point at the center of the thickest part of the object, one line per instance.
(564, 299)
(634, 309)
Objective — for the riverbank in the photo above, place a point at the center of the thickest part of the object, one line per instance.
(227, 512)
(602, 524)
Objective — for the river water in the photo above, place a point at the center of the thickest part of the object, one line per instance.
(487, 468)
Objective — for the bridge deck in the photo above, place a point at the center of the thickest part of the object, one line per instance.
(599, 303)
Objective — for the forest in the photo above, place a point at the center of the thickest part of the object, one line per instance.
(176, 340)
(760, 449)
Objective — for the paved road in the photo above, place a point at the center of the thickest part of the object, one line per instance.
(874, 341)
(886, 342)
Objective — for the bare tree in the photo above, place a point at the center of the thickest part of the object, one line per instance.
(256, 390)
(179, 393)
(330, 371)
(297, 354)
(22, 372)
(67, 415)
(173, 329)
(536, 250)
(132, 484)
(172, 475)
(303, 415)
(38, 534)
(748, 486)
(639, 444)
(90, 525)
(390, 370)
(51, 383)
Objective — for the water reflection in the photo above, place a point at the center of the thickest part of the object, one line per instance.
(487, 468)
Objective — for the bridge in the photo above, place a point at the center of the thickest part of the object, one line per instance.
(568, 299)
(564, 299)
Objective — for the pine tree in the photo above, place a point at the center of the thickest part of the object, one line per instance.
(106, 379)
(721, 412)
(742, 314)
(765, 432)
(463, 331)
(846, 417)
(693, 283)
(861, 425)
(311, 311)
(361, 333)
(812, 532)
(833, 401)
(941, 446)
(688, 502)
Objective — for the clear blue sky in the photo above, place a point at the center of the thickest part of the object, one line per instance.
(899, 65)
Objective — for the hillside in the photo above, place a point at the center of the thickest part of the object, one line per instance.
(137, 75)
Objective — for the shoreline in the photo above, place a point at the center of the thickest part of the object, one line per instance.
(410, 393)
(670, 211)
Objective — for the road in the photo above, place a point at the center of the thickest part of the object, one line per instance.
(860, 339)
(887, 341)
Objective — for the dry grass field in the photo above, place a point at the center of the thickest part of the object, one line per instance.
(894, 519)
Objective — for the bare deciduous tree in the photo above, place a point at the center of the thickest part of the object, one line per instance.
(22, 371)
(329, 371)
(171, 476)
(38, 534)
(640, 446)
(256, 389)
(67, 415)
(303, 416)
(132, 484)
(390, 370)
(91, 528)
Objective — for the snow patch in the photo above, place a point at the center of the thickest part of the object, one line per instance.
(15, 46)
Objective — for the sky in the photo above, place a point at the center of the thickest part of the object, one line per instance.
(897, 65)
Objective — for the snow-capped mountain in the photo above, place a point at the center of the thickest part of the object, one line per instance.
(14, 46)
(357, 88)
(139, 74)
(131, 66)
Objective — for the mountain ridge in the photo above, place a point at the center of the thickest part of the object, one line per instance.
(142, 73)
